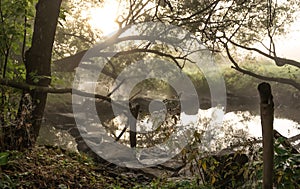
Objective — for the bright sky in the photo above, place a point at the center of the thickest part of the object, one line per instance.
(289, 45)
(103, 18)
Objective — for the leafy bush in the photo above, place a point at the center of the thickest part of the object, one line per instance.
(286, 166)
(244, 168)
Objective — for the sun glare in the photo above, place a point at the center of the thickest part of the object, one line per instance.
(103, 18)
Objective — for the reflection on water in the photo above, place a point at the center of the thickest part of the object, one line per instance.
(251, 124)
(218, 130)
(238, 126)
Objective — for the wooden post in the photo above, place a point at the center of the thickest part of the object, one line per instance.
(132, 125)
(267, 117)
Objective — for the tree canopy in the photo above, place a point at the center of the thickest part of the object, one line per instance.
(234, 28)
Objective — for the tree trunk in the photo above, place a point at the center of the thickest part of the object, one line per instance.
(37, 63)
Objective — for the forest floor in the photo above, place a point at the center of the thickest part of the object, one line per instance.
(53, 167)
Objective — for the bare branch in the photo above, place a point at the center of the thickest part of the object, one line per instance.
(175, 59)
(266, 78)
(201, 11)
(279, 61)
(116, 88)
(286, 143)
(68, 64)
(79, 37)
(275, 79)
(24, 38)
(294, 138)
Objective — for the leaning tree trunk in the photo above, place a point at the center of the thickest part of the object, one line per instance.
(38, 70)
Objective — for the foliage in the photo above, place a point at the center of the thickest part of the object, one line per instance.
(52, 167)
(15, 35)
(252, 23)
(5, 181)
(73, 33)
(243, 168)
(55, 167)
(3, 158)
(14, 132)
(172, 184)
(210, 20)
(217, 171)
(287, 167)
(240, 28)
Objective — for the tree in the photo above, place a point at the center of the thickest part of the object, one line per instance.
(225, 25)
(37, 62)
(38, 72)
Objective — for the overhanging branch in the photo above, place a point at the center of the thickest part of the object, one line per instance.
(68, 64)
(276, 79)
(278, 60)
(266, 78)
(27, 87)
(159, 53)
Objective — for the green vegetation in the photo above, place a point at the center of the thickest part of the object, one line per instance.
(52, 167)
(237, 82)
(49, 167)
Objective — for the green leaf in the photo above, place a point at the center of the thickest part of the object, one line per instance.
(35, 80)
(3, 158)
(204, 166)
(281, 151)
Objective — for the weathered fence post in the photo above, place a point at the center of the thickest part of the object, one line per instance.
(132, 125)
(267, 117)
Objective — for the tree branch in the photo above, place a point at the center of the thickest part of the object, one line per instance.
(266, 78)
(79, 37)
(279, 61)
(153, 52)
(28, 87)
(68, 64)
